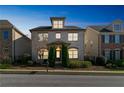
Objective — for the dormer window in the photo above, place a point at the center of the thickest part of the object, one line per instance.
(117, 27)
(57, 22)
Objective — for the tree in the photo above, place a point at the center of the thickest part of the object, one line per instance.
(51, 57)
(65, 56)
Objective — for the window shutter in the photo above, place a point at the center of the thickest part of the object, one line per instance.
(111, 54)
(110, 38)
(121, 54)
(103, 52)
(122, 38)
(103, 38)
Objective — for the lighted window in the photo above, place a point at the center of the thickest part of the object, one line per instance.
(43, 54)
(58, 24)
(117, 39)
(72, 36)
(5, 35)
(117, 27)
(42, 36)
(58, 35)
(73, 53)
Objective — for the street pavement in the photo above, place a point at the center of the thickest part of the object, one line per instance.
(39, 80)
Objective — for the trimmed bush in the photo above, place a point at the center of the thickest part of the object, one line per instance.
(65, 56)
(79, 64)
(51, 57)
(86, 64)
(74, 64)
(100, 61)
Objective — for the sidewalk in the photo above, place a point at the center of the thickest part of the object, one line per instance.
(60, 72)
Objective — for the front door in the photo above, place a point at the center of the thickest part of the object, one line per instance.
(58, 54)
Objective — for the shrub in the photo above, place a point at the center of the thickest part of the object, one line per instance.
(23, 60)
(100, 61)
(120, 63)
(79, 64)
(74, 64)
(109, 65)
(5, 66)
(86, 64)
(6, 61)
(51, 57)
(65, 56)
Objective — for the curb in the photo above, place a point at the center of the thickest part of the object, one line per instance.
(61, 72)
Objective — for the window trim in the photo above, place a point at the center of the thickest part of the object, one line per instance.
(43, 34)
(73, 53)
(46, 50)
(72, 37)
(59, 36)
(117, 39)
(106, 37)
(120, 27)
(4, 36)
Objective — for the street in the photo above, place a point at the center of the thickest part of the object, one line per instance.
(38, 80)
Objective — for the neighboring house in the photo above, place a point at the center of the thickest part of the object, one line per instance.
(12, 42)
(105, 40)
(58, 33)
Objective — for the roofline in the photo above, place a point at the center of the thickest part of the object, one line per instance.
(56, 29)
(20, 32)
(57, 18)
(16, 29)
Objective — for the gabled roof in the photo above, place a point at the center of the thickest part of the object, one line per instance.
(40, 28)
(6, 22)
(106, 28)
(102, 28)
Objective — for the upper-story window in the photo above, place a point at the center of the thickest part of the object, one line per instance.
(57, 24)
(106, 38)
(5, 35)
(42, 36)
(58, 35)
(72, 36)
(117, 39)
(117, 27)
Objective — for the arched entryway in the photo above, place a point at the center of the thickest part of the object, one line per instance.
(58, 50)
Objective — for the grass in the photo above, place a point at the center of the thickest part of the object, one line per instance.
(5, 66)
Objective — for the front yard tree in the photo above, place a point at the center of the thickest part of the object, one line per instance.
(51, 57)
(65, 58)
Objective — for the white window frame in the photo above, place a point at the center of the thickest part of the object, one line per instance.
(73, 53)
(117, 54)
(117, 39)
(107, 53)
(43, 51)
(106, 38)
(72, 36)
(43, 37)
(57, 24)
(117, 29)
(58, 35)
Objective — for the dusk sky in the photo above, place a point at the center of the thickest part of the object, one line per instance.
(27, 17)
